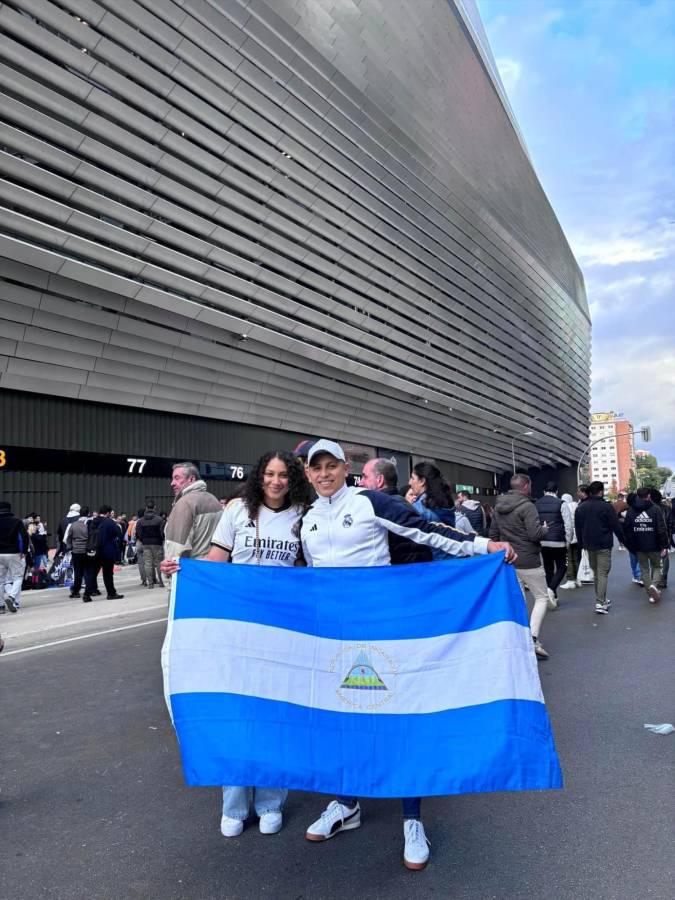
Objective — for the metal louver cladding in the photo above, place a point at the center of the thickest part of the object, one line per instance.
(310, 216)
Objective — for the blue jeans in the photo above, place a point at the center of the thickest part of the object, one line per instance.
(412, 806)
(635, 566)
(237, 801)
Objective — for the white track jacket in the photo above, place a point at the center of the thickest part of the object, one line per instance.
(350, 529)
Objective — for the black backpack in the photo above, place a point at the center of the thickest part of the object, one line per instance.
(93, 537)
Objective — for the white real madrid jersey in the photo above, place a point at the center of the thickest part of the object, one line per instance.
(236, 532)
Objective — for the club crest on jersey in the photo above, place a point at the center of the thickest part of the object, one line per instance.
(347, 522)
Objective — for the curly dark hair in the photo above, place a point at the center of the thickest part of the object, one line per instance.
(438, 494)
(299, 489)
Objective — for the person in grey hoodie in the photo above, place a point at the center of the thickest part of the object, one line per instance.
(515, 519)
(76, 541)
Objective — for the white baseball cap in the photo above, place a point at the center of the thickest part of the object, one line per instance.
(324, 446)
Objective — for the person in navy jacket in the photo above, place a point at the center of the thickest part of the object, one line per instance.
(104, 555)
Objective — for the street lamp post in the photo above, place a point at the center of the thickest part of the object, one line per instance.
(645, 432)
(513, 447)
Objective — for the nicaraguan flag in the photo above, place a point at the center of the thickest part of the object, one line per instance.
(399, 681)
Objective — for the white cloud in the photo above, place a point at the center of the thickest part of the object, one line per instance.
(510, 72)
(638, 377)
(635, 246)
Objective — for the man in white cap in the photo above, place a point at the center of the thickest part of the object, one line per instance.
(71, 516)
(347, 526)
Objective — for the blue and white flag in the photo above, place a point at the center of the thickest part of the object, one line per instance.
(400, 681)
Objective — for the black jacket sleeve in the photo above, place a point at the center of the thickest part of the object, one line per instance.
(615, 524)
(406, 522)
(662, 534)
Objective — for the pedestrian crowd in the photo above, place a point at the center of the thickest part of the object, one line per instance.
(299, 509)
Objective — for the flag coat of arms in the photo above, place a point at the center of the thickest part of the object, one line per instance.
(398, 681)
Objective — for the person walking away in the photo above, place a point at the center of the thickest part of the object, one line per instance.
(573, 554)
(265, 517)
(556, 515)
(515, 519)
(370, 515)
(104, 539)
(76, 542)
(72, 515)
(634, 564)
(150, 531)
(473, 511)
(596, 525)
(646, 535)
(14, 543)
(667, 512)
(193, 517)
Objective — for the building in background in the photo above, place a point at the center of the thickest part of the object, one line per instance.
(227, 225)
(613, 459)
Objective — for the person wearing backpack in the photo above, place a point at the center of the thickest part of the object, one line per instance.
(103, 547)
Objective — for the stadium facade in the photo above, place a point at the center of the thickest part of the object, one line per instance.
(227, 225)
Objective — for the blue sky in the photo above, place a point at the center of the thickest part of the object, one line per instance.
(592, 85)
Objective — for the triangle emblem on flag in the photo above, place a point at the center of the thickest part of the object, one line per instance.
(362, 676)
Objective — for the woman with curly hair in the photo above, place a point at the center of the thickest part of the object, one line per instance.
(434, 500)
(258, 529)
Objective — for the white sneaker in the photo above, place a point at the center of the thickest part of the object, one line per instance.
(416, 848)
(271, 822)
(231, 827)
(334, 819)
(602, 608)
(539, 650)
(552, 599)
(568, 586)
(654, 594)
(639, 582)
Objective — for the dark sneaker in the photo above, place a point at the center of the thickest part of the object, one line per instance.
(86, 598)
(115, 596)
(334, 819)
(11, 605)
(72, 596)
(95, 593)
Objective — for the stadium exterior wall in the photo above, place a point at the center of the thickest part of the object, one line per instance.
(299, 216)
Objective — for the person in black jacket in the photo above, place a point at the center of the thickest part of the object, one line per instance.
(647, 536)
(667, 510)
(557, 516)
(103, 549)
(13, 548)
(596, 523)
(150, 532)
(381, 475)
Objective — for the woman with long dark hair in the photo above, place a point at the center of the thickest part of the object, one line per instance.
(434, 500)
(258, 530)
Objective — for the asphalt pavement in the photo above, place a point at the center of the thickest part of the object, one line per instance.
(93, 807)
